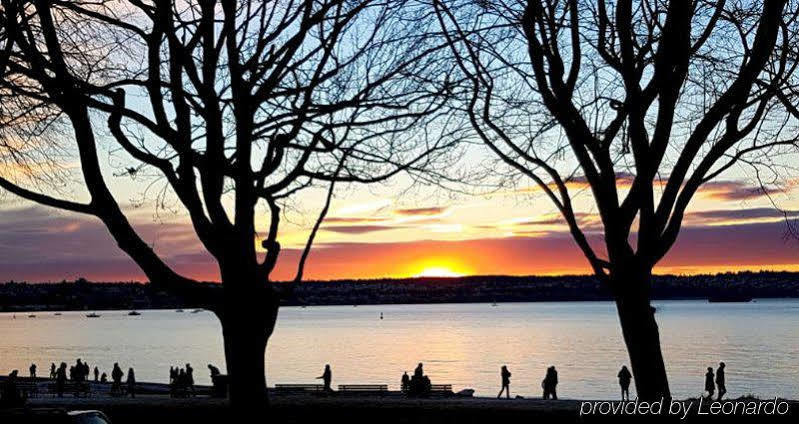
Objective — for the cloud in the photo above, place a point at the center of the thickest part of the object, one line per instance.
(724, 190)
(351, 220)
(739, 214)
(358, 229)
(38, 244)
(35, 239)
(579, 182)
(729, 190)
(428, 211)
(583, 219)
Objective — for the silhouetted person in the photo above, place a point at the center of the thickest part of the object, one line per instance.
(96, 374)
(624, 381)
(505, 374)
(173, 374)
(710, 387)
(104, 378)
(550, 383)
(180, 383)
(116, 378)
(190, 378)
(405, 382)
(131, 382)
(10, 393)
(326, 376)
(61, 379)
(78, 373)
(52, 370)
(32, 370)
(720, 380)
(213, 370)
(419, 384)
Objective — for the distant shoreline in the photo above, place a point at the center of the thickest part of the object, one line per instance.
(101, 311)
(87, 296)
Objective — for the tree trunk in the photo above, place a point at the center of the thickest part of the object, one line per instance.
(642, 338)
(248, 318)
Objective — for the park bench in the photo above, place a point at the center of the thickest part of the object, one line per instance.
(76, 388)
(380, 389)
(436, 389)
(299, 388)
(441, 389)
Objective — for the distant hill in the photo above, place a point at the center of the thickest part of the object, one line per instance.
(84, 295)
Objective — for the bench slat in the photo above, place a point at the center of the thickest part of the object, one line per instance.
(363, 387)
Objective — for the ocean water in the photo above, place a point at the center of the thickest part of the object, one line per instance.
(460, 344)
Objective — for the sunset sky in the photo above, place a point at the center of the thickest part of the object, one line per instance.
(387, 231)
(480, 218)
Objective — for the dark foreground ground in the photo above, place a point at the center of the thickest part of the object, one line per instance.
(152, 409)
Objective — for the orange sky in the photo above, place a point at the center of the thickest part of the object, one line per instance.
(53, 248)
(730, 227)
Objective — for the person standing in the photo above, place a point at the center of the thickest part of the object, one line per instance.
(190, 378)
(405, 382)
(52, 370)
(96, 374)
(710, 387)
(326, 377)
(32, 370)
(9, 395)
(720, 380)
(550, 383)
(131, 382)
(505, 374)
(116, 377)
(61, 379)
(624, 381)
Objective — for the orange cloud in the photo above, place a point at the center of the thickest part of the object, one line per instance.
(428, 211)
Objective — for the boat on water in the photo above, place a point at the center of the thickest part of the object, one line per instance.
(58, 314)
(196, 311)
(178, 310)
(32, 316)
(134, 313)
(93, 315)
(732, 297)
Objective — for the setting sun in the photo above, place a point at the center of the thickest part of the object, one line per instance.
(438, 271)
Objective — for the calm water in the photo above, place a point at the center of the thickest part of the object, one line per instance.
(461, 344)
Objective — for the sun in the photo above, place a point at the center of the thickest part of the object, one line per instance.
(438, 271)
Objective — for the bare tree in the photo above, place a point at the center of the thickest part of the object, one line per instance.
(234, 107)
(637, 103)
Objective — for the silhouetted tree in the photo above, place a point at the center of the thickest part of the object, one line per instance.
(229, 104)
(637, 103)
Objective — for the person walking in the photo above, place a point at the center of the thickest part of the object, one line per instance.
(505, 375)
(721, 383)
(326, 377)
(624, 381)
